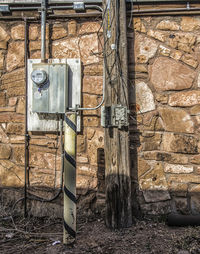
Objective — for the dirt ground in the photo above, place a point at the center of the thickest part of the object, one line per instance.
(36, 235)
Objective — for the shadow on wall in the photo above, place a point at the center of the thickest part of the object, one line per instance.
(90, 201)
(163, 145)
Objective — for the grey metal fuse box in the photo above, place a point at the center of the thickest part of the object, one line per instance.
(49, 88)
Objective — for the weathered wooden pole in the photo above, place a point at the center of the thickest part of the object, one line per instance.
(117, 158)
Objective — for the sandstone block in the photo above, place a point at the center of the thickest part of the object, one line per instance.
(5, 151)
(161, 208)
(3, 136)
(42, 177)
(93, 70)
(11, 117)
(176, 55)
(163, 156)
(92, 84)
(190, 60)
(4, 36)
(185, 47)
(154, 179)
(21, 106)
(15, 128)
(19, 91)
(82, 159)
(94, 144)
(138, 26)
(150, 121)
(11, 175)
(89, 48)
(17, 32)
(58, 32)
(178, 143)
(7, 109)
(91, 121)
(37, 54)
(189, 24)
(195, 110)
(168, 25)
(72, 28)
(3, 44)
(18, 154)
(90, 133)
(12, 101)
(181, 205)
(36, 45)
(164, 51)
(157, 35)
(144, 49)
(33, 32)
(182, 41)
(156, 195)
(162, 98)
(90, 101)
(2, 99)
(184, 178)
(184, 99)
(194, 188)
(2, 58)
(176, 120)
(151, 142)
(143, 166)
(44, 160)
(180, 189)
(66, 48)
(195, 159)
(12, 77)
(144, 97)
(140, 68)
(85, 183)
(90, 27)
(177, 169)
(16, 139)
(167, 74)
(15, 56)
(81, 143)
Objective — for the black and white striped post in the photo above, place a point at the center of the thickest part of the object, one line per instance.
(69, 234)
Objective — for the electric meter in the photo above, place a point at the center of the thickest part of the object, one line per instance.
(39, 77)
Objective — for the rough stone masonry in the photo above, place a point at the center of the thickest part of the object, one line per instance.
(165, 126)
(164, 57)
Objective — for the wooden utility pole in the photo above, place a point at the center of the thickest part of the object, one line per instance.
(117, 158)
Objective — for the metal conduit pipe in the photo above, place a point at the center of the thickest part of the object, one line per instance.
(26, 152)
(186, 9)
(43, 29)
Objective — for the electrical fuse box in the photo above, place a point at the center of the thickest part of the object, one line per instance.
(49, 88)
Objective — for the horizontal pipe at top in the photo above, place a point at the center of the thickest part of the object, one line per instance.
(32, 2)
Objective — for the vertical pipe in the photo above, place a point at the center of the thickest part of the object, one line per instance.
(43, 29)
(26, 164)
(69, 233)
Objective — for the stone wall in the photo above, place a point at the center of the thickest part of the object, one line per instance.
(164, 57)
(164, 93)
(71, 39)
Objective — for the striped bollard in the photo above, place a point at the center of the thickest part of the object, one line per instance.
(69, 234)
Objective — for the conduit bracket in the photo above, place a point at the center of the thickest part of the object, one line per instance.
(114, 116)
(4, 8)
(79, 6)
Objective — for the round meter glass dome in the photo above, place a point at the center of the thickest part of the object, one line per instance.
(39, 77)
